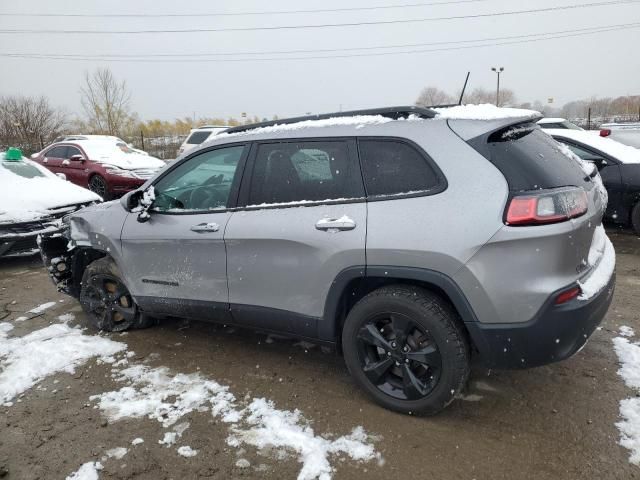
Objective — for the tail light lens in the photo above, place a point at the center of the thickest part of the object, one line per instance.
(605, 132)
(568, 295)
(547, 206)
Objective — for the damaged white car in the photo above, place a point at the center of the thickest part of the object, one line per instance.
(33, 201)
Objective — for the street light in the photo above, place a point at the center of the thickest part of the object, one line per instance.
(498, 70)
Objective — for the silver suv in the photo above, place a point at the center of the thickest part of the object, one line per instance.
(409, 238)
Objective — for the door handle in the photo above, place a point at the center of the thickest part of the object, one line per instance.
(342, 223)
(205, 227)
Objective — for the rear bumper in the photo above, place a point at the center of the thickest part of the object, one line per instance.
(556, 333)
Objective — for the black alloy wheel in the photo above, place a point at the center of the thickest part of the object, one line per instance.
(398, 356)
(108, 302)
(407, 348)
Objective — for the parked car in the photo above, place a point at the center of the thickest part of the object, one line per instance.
(106, 165)
(32, 201)
(410, 238)
(627, 133)
(558, 123)
(199, 135)
(619, 167)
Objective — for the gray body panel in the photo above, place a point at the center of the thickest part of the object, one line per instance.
(278, 259)
(164, 258)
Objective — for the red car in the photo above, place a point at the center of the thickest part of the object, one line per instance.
(106, 165)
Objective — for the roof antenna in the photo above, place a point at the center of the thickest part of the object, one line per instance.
(464, 88)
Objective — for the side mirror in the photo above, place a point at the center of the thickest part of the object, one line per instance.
(131, 200)
(34, 156)
(77, 158)
(61, 175)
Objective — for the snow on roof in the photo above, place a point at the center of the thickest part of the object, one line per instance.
(483, 112)
(617, 150)
(359, 121)
(552, 120)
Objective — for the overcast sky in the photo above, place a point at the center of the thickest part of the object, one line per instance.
(602, 64)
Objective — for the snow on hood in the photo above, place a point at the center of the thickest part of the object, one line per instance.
(617, 150)
(483, 112)
(24, 199)
(125, 157)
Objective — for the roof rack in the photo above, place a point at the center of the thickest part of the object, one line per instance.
(389, 112)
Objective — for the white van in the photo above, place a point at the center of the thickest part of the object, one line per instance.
(199, 135)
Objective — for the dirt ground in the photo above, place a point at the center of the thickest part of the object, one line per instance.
(553, 422)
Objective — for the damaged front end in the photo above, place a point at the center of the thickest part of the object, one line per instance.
(64, 260)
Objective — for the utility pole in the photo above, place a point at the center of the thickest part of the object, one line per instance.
(498, 70)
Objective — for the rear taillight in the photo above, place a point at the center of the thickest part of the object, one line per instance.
(605, 132)
(546, 206)
(567, 295)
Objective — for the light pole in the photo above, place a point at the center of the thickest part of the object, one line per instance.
(498, 70)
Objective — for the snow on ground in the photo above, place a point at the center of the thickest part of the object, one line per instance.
(629, 357)
(483, 112)
(116, 453)
(157, 394)
(65, 348)
(268, 427)
(88, 471)
(137, 441)
(187, 451)
(41, 308)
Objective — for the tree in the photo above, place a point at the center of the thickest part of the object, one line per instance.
(29, 122)
(105, 102)
(482, 95)
(431, 96)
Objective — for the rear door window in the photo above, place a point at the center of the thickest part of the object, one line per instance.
(308, 171)
(393, 167)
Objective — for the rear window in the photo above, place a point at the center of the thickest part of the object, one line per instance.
(529, 158)
(196, 138)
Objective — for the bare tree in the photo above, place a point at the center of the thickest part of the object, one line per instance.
(482, 95)
(430, 96)
(105, 102)
(29, 122)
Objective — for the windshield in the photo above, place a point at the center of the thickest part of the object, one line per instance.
(23, 169)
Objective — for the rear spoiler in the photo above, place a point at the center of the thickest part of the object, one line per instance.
(469, 129)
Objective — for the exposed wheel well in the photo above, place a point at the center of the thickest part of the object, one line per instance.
(82, 258)
(359, 287)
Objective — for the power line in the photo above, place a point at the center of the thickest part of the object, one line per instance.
(324, 25)
(37, 56)
(235, 14)
(142, 56)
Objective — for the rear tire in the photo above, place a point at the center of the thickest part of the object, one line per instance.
(635, 218)
(107, 301)
(98, 185)
(405, 347)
